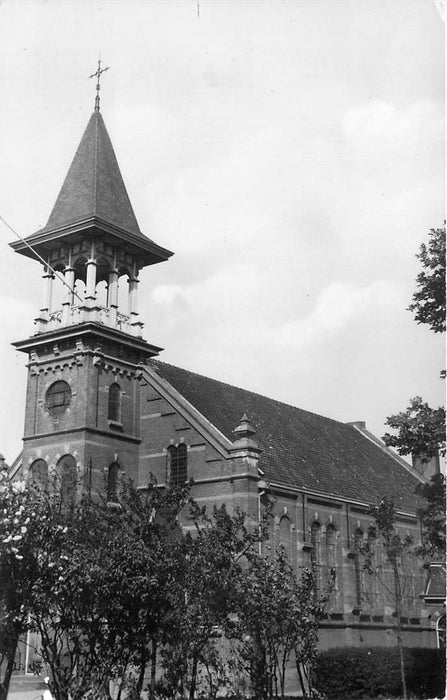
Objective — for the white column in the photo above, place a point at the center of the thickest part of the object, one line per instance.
(90, 292)
(48, 290)
(69, 278)
(112, 296)
(135, 322)
(133, 296)
(45, 310)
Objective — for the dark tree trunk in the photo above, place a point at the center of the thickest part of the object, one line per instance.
(143, 664)
(4, 685)
(192, 689)
(398, 597)
(153, 670)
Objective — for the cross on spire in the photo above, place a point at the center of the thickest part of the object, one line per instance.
(97, 75)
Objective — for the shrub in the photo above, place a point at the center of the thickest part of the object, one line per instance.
(426, 672)
(372, 672)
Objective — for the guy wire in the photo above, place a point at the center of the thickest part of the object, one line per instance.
(44, 262)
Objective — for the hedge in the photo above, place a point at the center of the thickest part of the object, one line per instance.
(371, 672)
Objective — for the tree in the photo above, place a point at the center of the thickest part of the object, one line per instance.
(429, 299)
(210, 559)
(395, 547)
(22, 541)
(151, 520)
(101, 596)
(277, 618)
(73, 603)
(432, 517)
(420, 430)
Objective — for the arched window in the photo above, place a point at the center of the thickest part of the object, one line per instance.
(373, 582)
(331, 561)
(112, 482)
(67, 472)
(177, 465)
(358, 564)
(408, 583)
(285, 537)
(315, 554)
(440, 632)
(58, 396)
(114, 412)
(331, 544)
(38, 473)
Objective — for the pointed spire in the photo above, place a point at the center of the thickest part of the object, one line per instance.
(94, 186)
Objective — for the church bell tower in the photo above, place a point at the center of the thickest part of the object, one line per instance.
(82, 416)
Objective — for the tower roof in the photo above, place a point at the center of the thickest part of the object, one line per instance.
(94, 186)
(93, 196)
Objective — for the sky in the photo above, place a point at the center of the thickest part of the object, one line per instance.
(290, 153)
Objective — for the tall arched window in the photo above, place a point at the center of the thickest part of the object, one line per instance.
(285, 537)
(315, 554)
(67, 472)
(408, 583)
(358, 563)
(331, 544)
(440, 631)
(331, 561)
(177, 465)
(38, 473)
(114, 412)
(373, 581)
(112, 482)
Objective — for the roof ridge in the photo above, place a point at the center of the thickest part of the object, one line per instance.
(254, 393)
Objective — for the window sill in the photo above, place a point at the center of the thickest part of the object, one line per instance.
(115, 425)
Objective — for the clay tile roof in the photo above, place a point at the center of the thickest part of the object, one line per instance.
(300, 448)
(94, 186)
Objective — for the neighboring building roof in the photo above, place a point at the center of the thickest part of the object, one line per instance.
(94, 186)
(300, 448)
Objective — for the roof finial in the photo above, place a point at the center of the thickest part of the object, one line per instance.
(98, 73)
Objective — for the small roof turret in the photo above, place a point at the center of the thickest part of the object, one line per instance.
(244, 435)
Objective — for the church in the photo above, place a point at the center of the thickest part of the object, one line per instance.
(101, 408)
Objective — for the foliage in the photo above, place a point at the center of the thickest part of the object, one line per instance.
(277, 617)
(432, 517)
(23, 538)
(421, 430)
(429, 299)
(372, 672)
(119, 590)
(395, 547)
(99, 601)
(204, 589)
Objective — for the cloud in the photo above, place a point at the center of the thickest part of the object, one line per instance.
(380, 132)
(232, 300)
(338, 308)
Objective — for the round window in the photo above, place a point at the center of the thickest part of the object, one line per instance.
(58, 396)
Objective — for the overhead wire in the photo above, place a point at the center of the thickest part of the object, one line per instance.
(44, 262)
